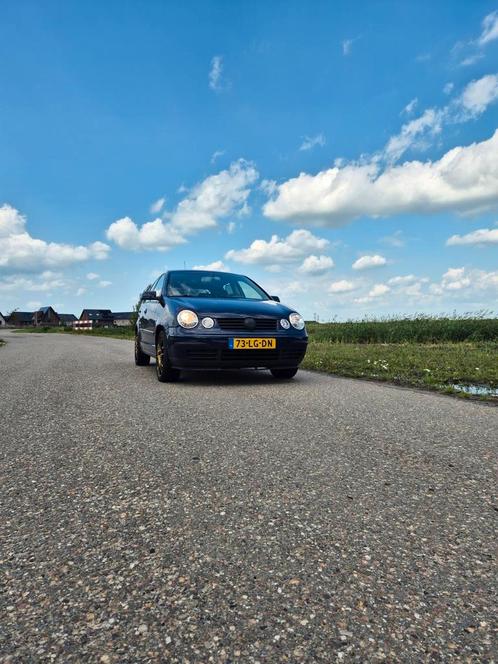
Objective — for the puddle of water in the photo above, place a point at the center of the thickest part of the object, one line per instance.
(477, 390)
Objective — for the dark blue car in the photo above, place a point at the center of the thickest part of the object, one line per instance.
(196, 320)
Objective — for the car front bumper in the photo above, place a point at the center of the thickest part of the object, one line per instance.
(211, 352)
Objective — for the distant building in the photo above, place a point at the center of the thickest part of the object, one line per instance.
(3, 322)
(123, 318)
(67, 320)
(46, 317)
(21, 319)
(92, 318)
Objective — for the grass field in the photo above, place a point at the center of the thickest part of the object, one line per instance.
(446, 367)
(409, 329)
(447, 353)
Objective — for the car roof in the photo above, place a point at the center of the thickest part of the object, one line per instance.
(220, 272)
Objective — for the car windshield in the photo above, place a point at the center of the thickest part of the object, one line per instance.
(195, 283)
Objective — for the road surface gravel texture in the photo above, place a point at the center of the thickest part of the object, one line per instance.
(233, 518)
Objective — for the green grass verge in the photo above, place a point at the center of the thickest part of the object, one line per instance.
(414, 329)
(434, 366)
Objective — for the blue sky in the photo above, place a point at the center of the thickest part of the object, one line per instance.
(342, 155)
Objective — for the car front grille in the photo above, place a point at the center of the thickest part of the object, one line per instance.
(266, 324)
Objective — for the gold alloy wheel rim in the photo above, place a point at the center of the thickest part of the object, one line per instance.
(159, 356)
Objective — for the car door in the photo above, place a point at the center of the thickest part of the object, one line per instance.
(147, 320)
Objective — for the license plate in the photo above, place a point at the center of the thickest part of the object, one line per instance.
(252, 343)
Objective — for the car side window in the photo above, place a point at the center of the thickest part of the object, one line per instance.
(159, 285)
(250, 293)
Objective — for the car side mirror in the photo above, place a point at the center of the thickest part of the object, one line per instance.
(275, 297)
(150, 295)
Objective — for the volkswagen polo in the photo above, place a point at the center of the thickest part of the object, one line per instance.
(197, 320)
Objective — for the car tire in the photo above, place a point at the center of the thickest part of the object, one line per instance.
(141, 359)
(165, 374)
(283, 374)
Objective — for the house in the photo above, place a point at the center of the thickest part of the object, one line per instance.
(3, 322)
(21, 319)
(46, 317)
(124, 318)
(67, 320)
(92, 318)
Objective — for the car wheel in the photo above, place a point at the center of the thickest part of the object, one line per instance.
(141, 359)
(165, 374)
(283, 373)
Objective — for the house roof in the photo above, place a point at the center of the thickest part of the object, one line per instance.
(96, 314)
(22, 316)
(67, 317)
(123, 315)
(44, 310)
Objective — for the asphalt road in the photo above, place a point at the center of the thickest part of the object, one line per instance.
(230, 518)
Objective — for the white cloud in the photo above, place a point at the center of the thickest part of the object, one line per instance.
(368, 262)
(45, 282)
(342, 286)
(215, 73)
(347, 45)
(91, 276)
(403, 280)
(410, 107)
(105, 284)
(489, 29)
(157, 206)
(480, 237)
(478, 95)
(268, 186)
(12, 222)
(216, 266)
(152, 235)
(474, 48)
(310, 142)
(471, 59)
(18, 250)
(80, 292)
(231, 226)
(464, 180)
(316, 264)
(378, 290)
(420, 132)
(214, 198)
(448, 88)
(290, 249)
(428, 124)
(216, 154)
(466, 279)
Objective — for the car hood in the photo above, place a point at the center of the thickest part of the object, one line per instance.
(204, 305)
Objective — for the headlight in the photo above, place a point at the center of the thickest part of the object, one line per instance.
(187, 318)
(285, 323)
(297, 321)
(207, 322)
